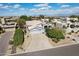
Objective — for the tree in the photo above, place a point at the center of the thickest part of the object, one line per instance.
(26, 18)
(50, 18)
(29, 18)
(21, 23)
(18, 37)
(73, 16)
(41, 16)
(23, 17)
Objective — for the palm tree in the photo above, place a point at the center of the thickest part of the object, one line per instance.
(21, 23)
(41, 16)
(73, 16)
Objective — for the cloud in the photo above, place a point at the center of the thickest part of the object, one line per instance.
(4, 6)
(41, 5)
(9, 6)
(65, 6)
(16, 6)
(45, 9)
(58, 12)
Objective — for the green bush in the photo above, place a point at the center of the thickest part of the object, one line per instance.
(26, 18)
(55, 33)
(18, 37)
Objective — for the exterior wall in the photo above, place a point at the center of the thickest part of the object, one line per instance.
(59, 25)
(2, 21)
(68, 18)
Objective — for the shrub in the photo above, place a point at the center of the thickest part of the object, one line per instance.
(72, 26)
(55, 40)
(68, 37)
(72, 31)
(69, 33)
(73, 39)
(55, 33)
(45, 27)
(11, 42)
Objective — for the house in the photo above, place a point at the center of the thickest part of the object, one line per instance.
(59, 23)
(8, 22)
(73, 24)
(35, 26)
(2, 21)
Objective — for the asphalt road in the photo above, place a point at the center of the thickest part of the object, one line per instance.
(4, 42)
(72, 50)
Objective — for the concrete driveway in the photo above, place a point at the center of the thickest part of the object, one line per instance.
(4, 42)
(38, 42)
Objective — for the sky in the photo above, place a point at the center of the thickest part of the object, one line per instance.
(35, 9)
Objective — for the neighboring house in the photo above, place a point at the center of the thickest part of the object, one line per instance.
(45, 22)
(35, 17)
(59, 23)
(65, 23)
(8, 22)
(75, 24)
(2, 21)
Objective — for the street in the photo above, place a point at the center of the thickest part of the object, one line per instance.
(71, 50)
(4, 42)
